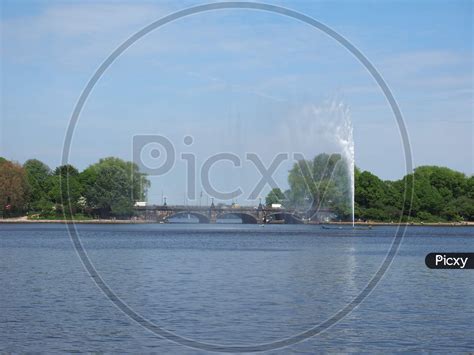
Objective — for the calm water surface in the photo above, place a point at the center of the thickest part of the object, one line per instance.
(232, 284)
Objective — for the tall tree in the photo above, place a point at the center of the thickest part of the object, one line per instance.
(38, 175)
(112, 186)
(65, 189)
(13, 187)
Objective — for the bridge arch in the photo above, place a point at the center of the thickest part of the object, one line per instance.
(200, 216)
(245, 217)
(288, 218)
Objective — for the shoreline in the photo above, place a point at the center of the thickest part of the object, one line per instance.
(70, 221)
(24, 220)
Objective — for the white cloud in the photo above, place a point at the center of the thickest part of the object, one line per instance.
(73, 33)
(74, 19)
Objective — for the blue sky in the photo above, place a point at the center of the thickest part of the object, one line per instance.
(234, 80)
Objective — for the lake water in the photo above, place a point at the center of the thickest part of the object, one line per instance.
(232, 284)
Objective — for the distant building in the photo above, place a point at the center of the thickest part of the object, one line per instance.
(276, 205)
(140, 204)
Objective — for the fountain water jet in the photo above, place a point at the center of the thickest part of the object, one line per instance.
(345, 138)
(339, 129)
(327, 128)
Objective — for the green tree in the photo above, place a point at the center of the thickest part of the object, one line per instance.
(376, 199)
(38, 175)
(321, 183)
(439, 194)
(65, 189)
(112, 186)
(461, 208)
(274, 196)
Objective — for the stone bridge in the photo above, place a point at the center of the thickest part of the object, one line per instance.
(210, 214)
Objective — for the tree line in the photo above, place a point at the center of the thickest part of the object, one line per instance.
(108, 188)
(440, 194)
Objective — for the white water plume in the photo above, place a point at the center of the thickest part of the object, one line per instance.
(325, 128)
